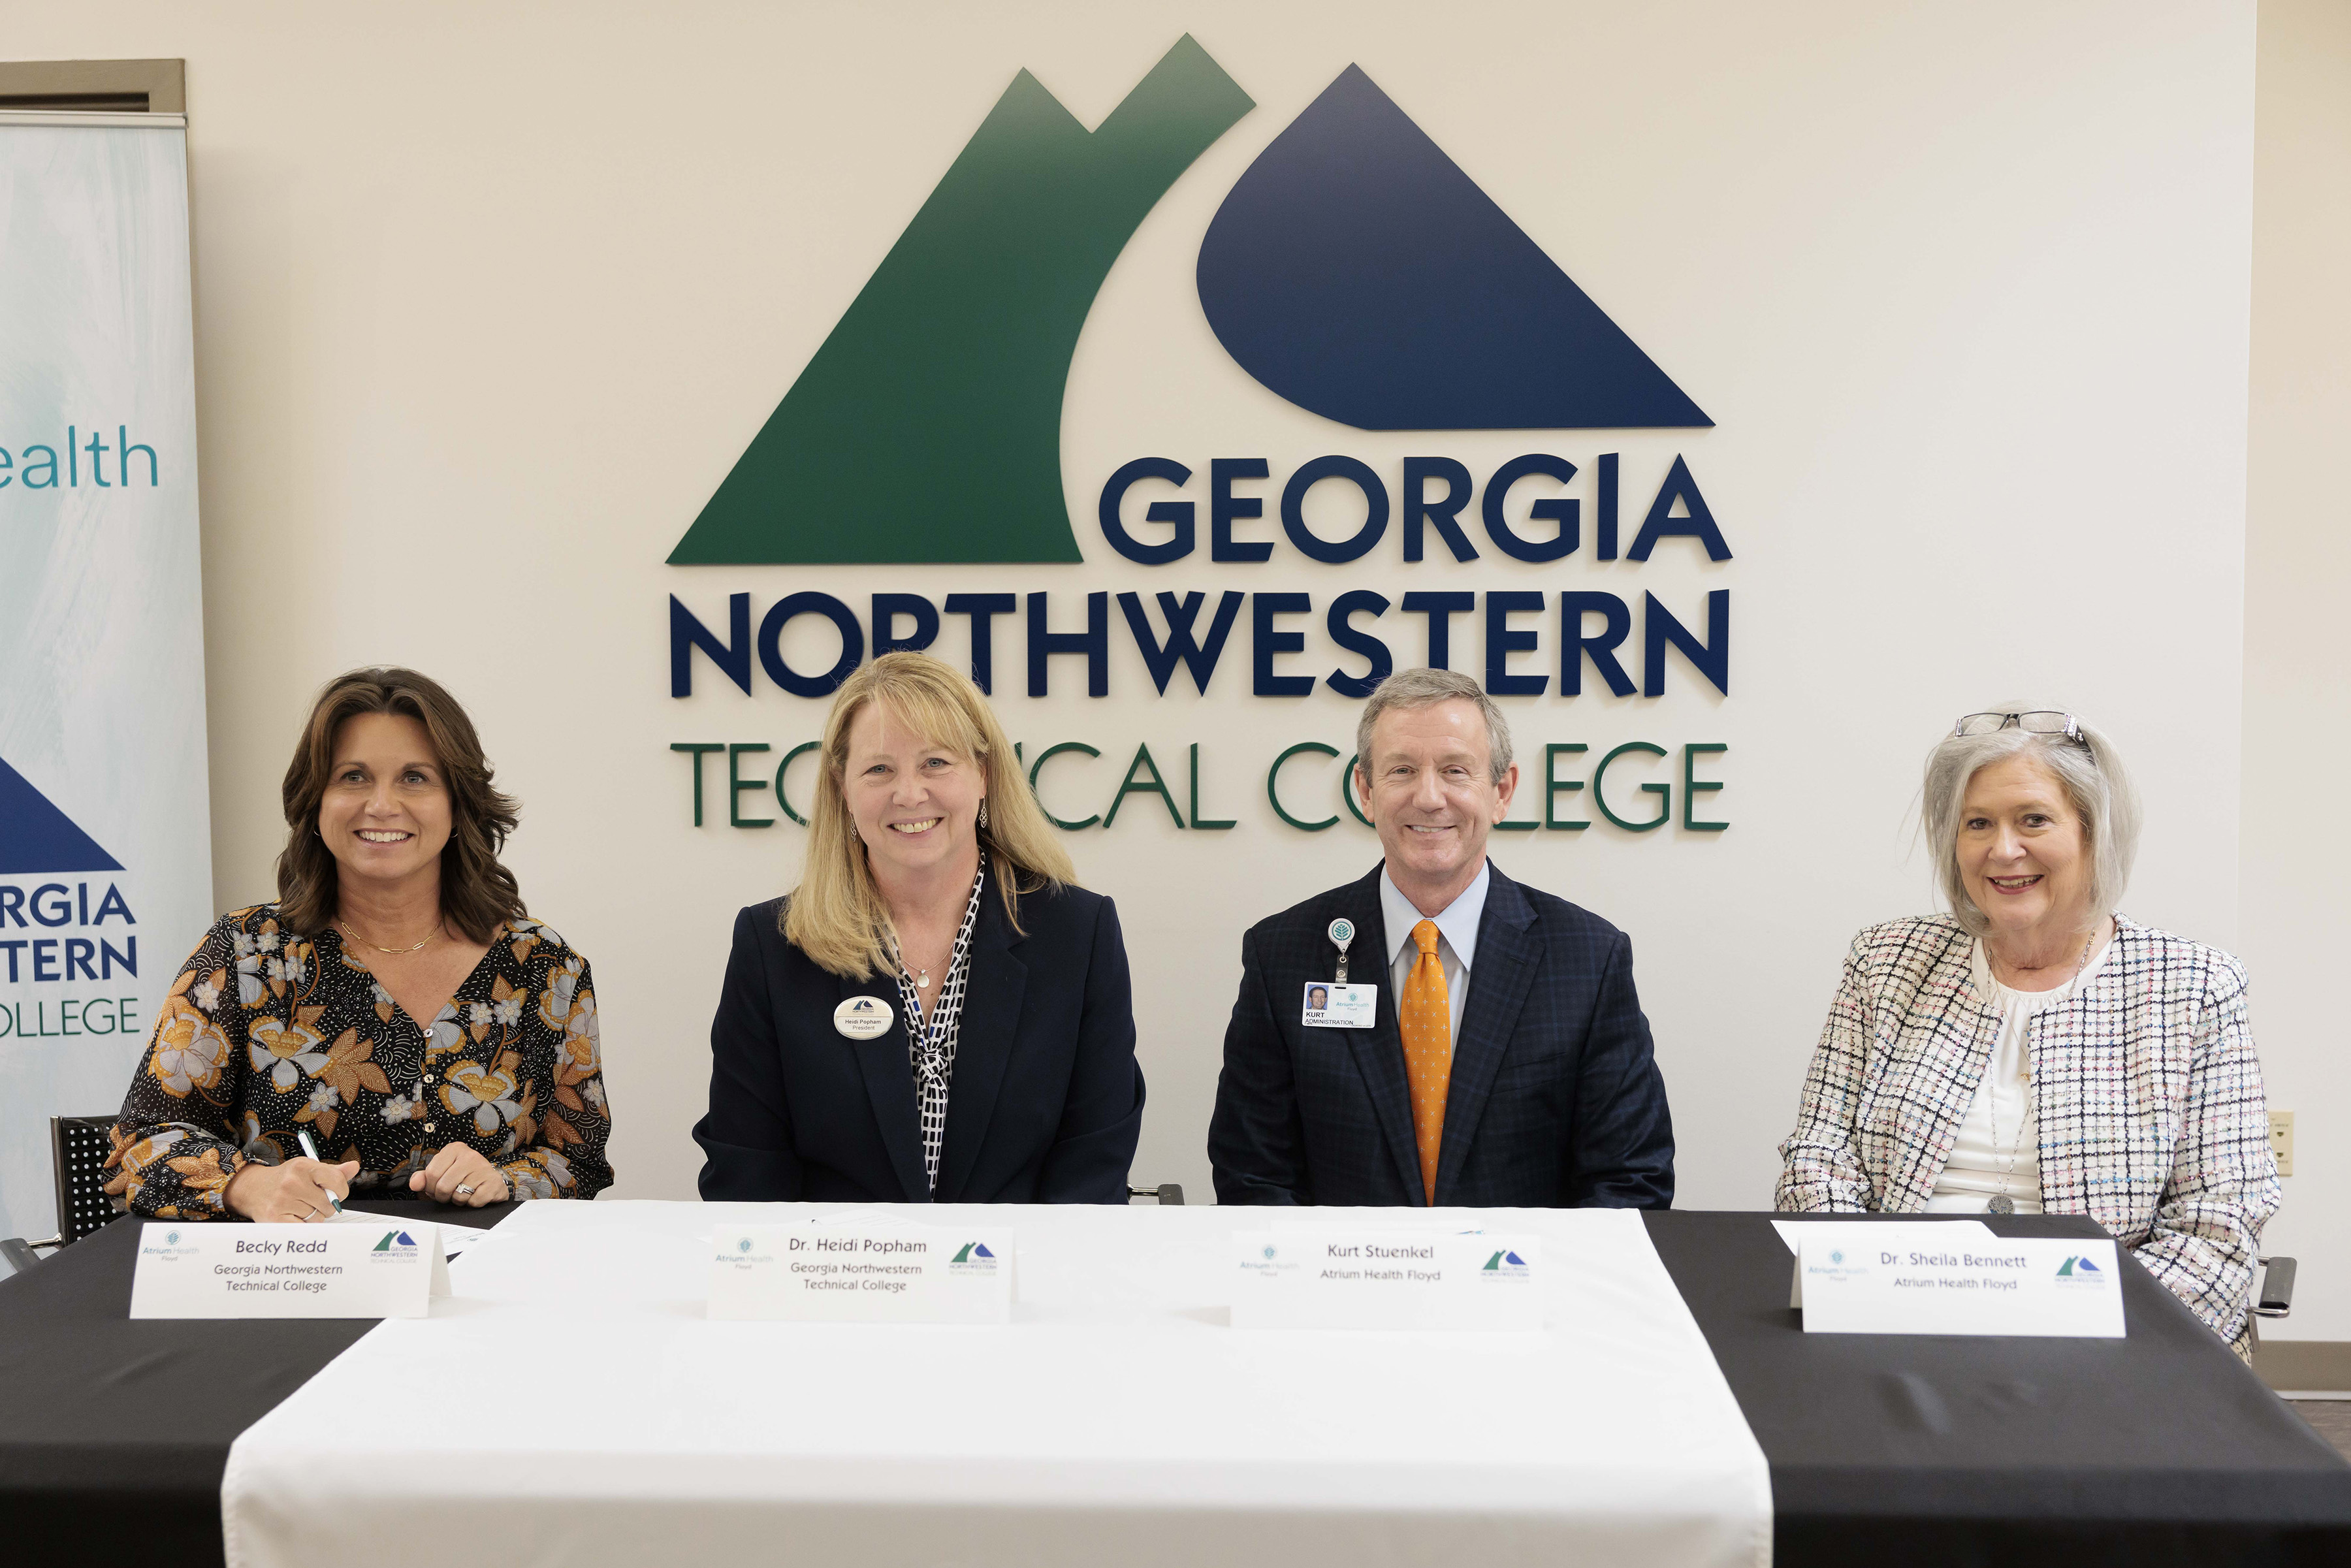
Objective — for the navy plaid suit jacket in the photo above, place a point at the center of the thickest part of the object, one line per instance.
(1555, 1100)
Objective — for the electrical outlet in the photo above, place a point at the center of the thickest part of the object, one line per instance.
(2282, 1140)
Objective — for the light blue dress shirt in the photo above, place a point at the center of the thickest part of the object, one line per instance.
(1456, 939)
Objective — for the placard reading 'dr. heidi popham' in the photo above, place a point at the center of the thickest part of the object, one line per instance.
(819, 1273)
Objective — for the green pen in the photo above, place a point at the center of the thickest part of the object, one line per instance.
(310, 1150)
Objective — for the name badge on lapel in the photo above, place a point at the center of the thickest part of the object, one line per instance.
(863, 1018)
(1332, 1006)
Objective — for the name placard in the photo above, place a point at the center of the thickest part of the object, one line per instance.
(388, 1269)
(1914, 1280)
(894, 1273)
(1321, 1279)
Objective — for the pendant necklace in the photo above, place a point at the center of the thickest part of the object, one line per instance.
(921, 974)
(2003, 1204)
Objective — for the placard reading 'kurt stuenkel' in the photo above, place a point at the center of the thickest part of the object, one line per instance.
(1319, 1278)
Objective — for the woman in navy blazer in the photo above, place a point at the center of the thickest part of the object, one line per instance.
(937, 1013)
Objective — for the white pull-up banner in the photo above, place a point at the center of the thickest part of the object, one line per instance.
(105, 832)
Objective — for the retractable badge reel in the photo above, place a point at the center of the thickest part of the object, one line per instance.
(1339, 1005)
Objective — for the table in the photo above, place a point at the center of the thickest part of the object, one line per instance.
(2160, 1448)
(578, 1391)
(114, 1433)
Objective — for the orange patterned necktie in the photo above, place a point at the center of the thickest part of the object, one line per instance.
(1426, 1021)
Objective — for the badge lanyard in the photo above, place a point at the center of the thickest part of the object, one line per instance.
(1340, 1005)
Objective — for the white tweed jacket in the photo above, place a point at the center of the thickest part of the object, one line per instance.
(2152, 1116)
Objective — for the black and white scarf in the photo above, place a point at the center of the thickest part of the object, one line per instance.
(930, 1043)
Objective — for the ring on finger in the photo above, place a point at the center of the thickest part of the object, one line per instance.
(465, 1192)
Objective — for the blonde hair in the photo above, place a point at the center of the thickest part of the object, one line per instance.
(837, 915)
(2089, 770)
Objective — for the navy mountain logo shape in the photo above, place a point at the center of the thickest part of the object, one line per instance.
(1357, 272)
(35, 836)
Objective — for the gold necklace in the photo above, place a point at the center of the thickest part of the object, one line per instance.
(365, 942)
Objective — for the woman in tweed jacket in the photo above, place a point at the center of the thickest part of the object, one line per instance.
(2033, 1052)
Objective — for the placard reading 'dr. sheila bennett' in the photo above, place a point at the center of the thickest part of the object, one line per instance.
(1955, 1279)
(366, 1267)
(1323, 1278)
(890, 1272)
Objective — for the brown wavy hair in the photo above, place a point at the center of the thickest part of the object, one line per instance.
(476, 891)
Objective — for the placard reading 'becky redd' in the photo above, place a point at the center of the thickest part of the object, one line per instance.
(863, 1273)
(388, 1268)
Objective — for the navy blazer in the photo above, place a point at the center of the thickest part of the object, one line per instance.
(1554, 1102)
(1046, 1100)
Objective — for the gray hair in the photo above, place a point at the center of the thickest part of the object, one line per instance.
(1425, 688)
(2094, 781)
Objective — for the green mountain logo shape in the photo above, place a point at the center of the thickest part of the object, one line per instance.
(927, 429)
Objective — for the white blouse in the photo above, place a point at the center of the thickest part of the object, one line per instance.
(1999, 1146)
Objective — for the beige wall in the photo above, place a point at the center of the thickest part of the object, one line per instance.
(2295, 842)
(470, 353)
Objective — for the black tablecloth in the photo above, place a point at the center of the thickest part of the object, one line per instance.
(1896, 1451)
(113, 1434)
(2160, 1448)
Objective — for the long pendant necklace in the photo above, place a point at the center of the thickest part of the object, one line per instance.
(2002, 1204)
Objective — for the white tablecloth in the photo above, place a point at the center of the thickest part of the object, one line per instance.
(571, 1405)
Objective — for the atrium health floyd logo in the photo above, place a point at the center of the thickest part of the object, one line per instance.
(1317, 274)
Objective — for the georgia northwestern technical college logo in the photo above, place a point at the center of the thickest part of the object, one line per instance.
(36, 837)
(2078, 1271)
(944, 377)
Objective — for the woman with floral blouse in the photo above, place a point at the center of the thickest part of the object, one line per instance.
(395, 1002)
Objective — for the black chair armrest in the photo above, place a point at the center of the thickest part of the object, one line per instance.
(2275, 1297)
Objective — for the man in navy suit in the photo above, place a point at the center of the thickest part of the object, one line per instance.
(1522, 1074)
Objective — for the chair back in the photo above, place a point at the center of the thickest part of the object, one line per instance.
(78, 1145)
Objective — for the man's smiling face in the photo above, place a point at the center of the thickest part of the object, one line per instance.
(1428, 786)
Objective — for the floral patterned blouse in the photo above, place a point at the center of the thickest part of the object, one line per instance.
(267, 1032)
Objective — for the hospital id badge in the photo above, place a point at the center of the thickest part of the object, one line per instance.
(1338, 1007)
